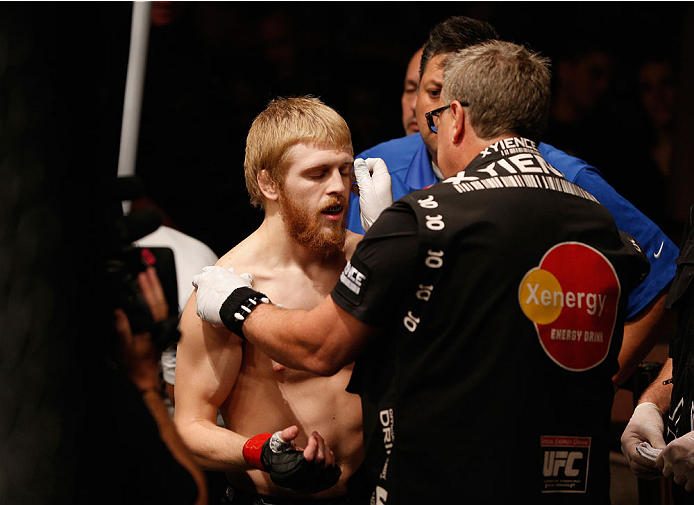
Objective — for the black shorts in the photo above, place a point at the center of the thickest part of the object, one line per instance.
(236, 496)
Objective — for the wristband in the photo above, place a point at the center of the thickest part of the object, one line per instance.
(238, 305)
(253, 449)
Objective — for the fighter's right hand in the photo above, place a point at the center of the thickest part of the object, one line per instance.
(214, 285)
(308, 471)
(646, 425)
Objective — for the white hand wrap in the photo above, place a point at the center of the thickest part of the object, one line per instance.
(278, 444)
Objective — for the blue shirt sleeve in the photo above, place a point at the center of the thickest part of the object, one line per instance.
(660, 250)
(353, 217)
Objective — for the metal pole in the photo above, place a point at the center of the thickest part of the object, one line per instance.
(134, 83)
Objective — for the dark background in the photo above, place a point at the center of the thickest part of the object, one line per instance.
(211, 68)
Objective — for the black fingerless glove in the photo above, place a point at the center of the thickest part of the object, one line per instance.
(291, 470)
(288, 468)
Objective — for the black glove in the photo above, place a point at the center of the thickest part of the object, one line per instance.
(287, 467)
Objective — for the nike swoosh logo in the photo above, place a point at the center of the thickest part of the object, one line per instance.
(657, 255)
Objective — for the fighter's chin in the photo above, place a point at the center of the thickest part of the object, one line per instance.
(325, 236)
(329, 243)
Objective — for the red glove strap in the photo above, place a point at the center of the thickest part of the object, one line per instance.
(252, 449)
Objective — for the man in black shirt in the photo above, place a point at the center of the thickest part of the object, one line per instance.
(659, 438)
(485, 313)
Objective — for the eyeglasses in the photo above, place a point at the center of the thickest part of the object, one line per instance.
(435, 113)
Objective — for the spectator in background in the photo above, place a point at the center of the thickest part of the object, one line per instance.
(145, 454)
(134, 321)
(583, 75)
(638, 159)
(409, 93)
(657, 88)
(658, 93)
(190, 256)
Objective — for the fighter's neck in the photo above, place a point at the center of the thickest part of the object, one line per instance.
(279, 248)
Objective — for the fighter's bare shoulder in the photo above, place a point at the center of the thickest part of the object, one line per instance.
(351, 241)
(243, 255)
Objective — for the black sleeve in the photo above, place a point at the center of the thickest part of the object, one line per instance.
(379, 272)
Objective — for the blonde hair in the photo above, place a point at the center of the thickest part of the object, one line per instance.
(506, 86)
(284, 123)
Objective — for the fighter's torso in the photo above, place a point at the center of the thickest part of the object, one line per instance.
(268, 396)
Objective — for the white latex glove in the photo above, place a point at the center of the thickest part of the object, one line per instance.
(677, 461)
(646, 425)
(215, 284)
(375, 191)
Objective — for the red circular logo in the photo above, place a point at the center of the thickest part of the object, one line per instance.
(572, 298)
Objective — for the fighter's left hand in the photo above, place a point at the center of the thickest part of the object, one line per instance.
(677, 461)
(214, 285)
(375, 191)
(309, 470)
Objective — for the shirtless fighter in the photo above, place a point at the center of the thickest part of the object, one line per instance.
(298, 162)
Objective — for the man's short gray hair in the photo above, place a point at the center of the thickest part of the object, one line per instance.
(507, 87)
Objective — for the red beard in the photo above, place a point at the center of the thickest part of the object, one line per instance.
(309, 230)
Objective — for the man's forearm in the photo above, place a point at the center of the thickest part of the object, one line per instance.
(653, 324)
(322, 340)
(660, 390)
(289, 338)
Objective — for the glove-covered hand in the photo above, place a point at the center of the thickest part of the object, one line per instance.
(676, 461)
(215, 285)
(288, 467)
(646, 425)
(375, 192)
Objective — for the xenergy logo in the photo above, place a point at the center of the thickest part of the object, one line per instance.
(572, 298)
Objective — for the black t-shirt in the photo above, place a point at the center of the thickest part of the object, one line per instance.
(681, 299)
(501, 295)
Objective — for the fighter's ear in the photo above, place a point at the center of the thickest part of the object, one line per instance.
(267, 185)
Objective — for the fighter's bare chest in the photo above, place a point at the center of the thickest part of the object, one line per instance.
(296, 292)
